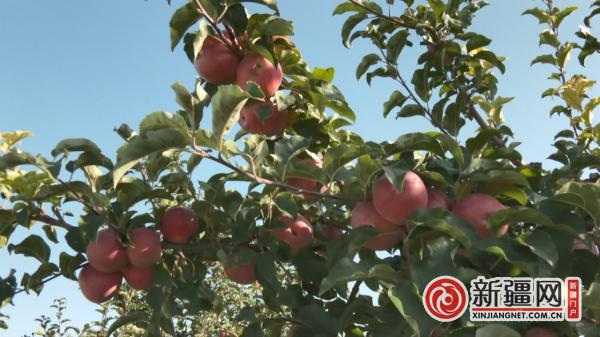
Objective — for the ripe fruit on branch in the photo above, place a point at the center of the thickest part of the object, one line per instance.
(540, 332)
(390, 234)
(476, 208)
(307, 184)
(145, 250)
(272, 125)
(397, 206)
(106, 253)
(178, 225)
(437, 199)
(298, 234)
(242, 274)
(216, 63)
(255, 67)
(139, 278)
(97, 286)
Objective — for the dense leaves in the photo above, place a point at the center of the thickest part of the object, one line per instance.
(313, 171)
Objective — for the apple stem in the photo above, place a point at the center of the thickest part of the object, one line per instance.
(215, 25)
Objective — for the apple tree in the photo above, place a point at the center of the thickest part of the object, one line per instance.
(337, 233)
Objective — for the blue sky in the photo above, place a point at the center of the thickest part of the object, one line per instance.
(78, 68)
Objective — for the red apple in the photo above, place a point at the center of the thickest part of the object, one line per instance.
(397, 206)
(97, 286)
(297, 235)
(178, 225)
(580, 245)
(437, 199)
(107, 254)
(270, 126)
(540, 332)
(259, 69)
(476, 208)
(390, 234)
(145, 250)
(216, 63)
(242, 274)
(139, 278)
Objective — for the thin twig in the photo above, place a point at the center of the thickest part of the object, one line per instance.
(263, 181)
(391, 19)
(56, 222)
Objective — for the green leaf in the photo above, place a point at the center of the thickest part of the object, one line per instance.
(541, 15)
(199, 38)
(317, 319)
(145, 144)
(547, 59)
(563, 54)
(397, 99)
(68, 264)
(411, 110)
(583, 195)
(181, 21)
(272, 4)
(348, 7)
(226, 106)
(286, 149)
(420, 81)
(490, 57)
(396, 43)
(9, 139)
(277, 26)
(496, 330)
(365, 169)
(324, 74)
(33, 246)
(560, 16)
(349, 25)
(548, 38)
(365, 64)
(340, 155)
(266, 272)
(433, 260)
(407, 300)
(75, 144)
(477, 41)
(345, 270)
(515, 215)
(286, 204)
(128, 318)
(541, 244)
(438, 8)
(183, 97)
(163, 120)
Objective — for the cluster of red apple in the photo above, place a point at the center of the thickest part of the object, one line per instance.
(110, 261)
(387, 212)
(221, 63)
(390, 208)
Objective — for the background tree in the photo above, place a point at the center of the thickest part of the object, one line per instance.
(295, 237)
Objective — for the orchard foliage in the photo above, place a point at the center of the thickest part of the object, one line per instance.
(332, 283)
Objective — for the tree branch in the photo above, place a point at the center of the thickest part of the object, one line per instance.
(46, 280)
(260, 180)
(391, 19)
